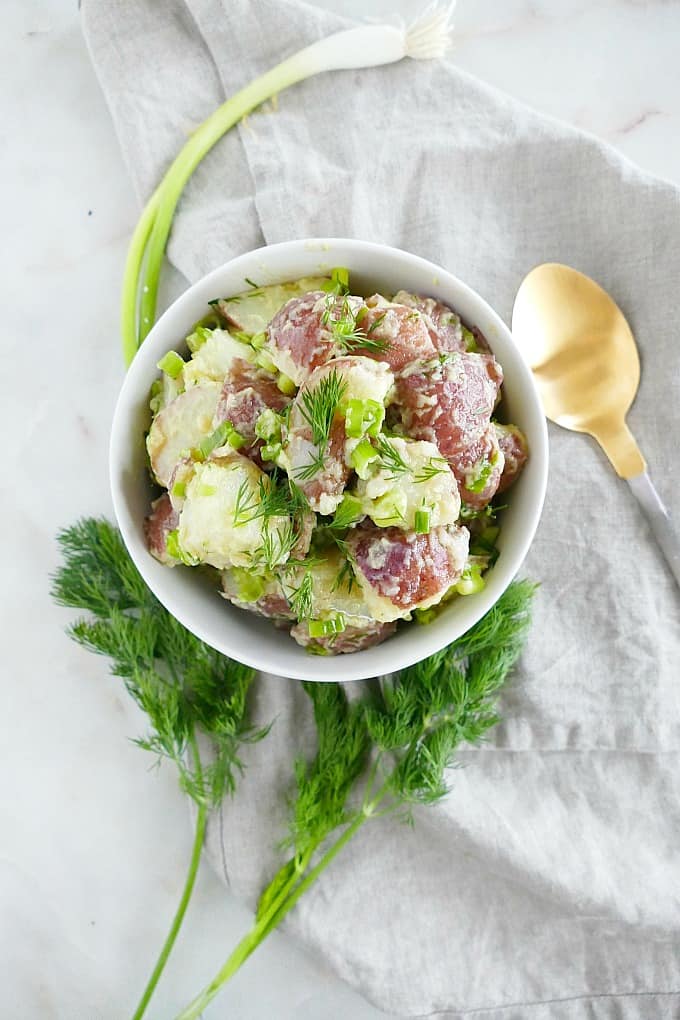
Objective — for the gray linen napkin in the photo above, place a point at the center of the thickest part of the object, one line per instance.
(547, 885)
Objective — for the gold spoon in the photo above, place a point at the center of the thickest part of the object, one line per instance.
(585, 363)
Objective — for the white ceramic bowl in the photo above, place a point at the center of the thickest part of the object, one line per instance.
(190, 597)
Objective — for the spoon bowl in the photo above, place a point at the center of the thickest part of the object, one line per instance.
(583, 356)
(585, 362)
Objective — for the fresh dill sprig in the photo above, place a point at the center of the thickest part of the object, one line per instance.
(246, 505)
(300, 598)
(184, 686)
(435, 466)
(318, 406)
(391, 459)
(346, 576)
(385, 753)
(345, 328)
(276, 496)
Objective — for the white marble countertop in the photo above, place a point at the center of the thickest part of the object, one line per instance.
(94, 846)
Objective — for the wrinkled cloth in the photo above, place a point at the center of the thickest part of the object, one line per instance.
(547, 884)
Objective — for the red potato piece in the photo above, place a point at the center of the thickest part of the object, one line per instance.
(450, 402)
(403, 330)
(299, 337)
(161, 521)
(515, 449)
(246, 393)
(444, 326)
(482, 461)
(352, 639)
(400, 571)
(180, 426)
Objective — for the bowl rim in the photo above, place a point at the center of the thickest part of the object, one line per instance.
(386, 653)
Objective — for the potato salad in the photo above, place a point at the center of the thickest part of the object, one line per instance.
(332, 458)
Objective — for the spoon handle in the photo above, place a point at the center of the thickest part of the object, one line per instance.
(659, 520)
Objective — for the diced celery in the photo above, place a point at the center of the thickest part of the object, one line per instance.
(425, 616)
(268, 425)
(471, 344)
(476, 480)
(363, 417)
(224, 433)
(390, 509)
(326, 627)
(286, 385)
(172, 545)
(315, 649)
(349, 512)
(206, 490)
(179, 489)
(235, 439)
(263, 360)
(244, 338)
(249, 587)
(471, 580)
(156, 396)
(270, 451)
(361, 457)
(171, 364)
(422, 521)
(258, 341)
(196, 339)
(339, 281)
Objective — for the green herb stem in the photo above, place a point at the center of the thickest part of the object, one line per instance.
(283, 903)
(249, 943)
(197, 848)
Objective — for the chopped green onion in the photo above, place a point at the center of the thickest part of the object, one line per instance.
(196, 339)
(243, 338)
(268, 425)
(425, 616)
(258, 341)
(249, 587)
(171, 364)
(206, 490)
(349, 512)
(363, 417)
(471, 345)
(236, 440)
(179, 489)
(156, 396)
(471, 580)
(172, 545)
(422, 521)
(339, 281)
(361, 456)
(224, 433)
(324, 628)
(174, 549)
(263, 360)
(286, 385)
(477, 480)
(270, 451)
(315, 649)
(390, 509)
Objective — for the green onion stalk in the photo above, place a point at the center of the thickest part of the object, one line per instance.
(366, 46)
